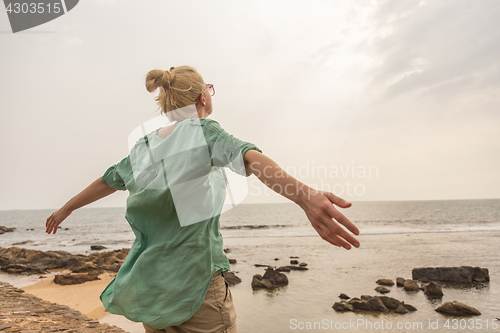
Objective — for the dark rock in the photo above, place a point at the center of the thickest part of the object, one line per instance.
(22, 269)
(453, 275)
(303, 264)
(231, 278)
(401, 309)
(411, 285)
(344, 296)
(343, 307)
(433, 290)
(360, 304)
(4, 229)
(377, 305)
(382, 290)
(294, 268)
(97, 247)
(232, 261)
(276, 258)
(283, 269)
(410, 308)
(294, 262)
(271, 279)
(67, 279)
(227, 250)
(390, 303)
(457, 309)
(385, 282)
(262, 265)
(366, 297)
(400, 282)
(293, 257)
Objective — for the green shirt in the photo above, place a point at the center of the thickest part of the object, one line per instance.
(176, 194)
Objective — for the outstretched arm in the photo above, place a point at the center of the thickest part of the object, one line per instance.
(95, 191)
(318, 205)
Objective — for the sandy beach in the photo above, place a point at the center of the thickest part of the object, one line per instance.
(82, 297)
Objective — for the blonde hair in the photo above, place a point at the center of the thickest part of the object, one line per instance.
(179, 87)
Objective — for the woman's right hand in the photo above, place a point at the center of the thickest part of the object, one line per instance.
(55, 219)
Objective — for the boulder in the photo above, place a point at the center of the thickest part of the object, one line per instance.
(97, 247)
(344, 296)
(271, 279)
(294, 262)
(411, 285)
(382, 290)
(433, 290)
(343, 307)
(359, 304)
(410, 308)
(401, 309)
(385, 282)
(4, 229)
(454, 275)
(400, 282)
(377, 305)
(231, 278)
(232, 261)
(303, 264)
(22, 269)
(293, 268)
(457, 309)
(67, 279)
(390, 303)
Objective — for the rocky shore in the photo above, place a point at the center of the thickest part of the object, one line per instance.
(22, 312)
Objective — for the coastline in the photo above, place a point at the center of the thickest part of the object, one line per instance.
(81, 297)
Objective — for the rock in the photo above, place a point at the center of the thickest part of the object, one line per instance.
(293, 268)
(382, 290)
(47, 260)
(97, 247)
(344, 296)
(276, 258)
(22, 269)
(360, 304)
(67, 279)
(232, 261)
(4, 229)
(231, 278)
(401, 309)
(410, 308)
(343, 307)
(262, 265)
(271, 279)
(400, 282)
(411, 285)
(453, 275)
(433, 290)
(283, 269)
(293, 257)
(302, 264)
(457, 309)
(390, 303)
(294, 262)
(227, 250)
(377, 305)
(385, 282)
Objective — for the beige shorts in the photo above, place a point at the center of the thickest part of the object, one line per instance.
(216, 315)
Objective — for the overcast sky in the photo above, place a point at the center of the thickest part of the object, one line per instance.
(405, 93)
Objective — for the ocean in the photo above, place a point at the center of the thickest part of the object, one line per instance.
(396, 236)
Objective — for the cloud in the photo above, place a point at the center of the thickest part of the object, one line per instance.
(439, 48)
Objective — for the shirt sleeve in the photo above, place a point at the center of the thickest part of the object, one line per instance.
(226, 150)
(113, 177)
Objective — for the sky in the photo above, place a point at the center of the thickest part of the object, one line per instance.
(371, 100)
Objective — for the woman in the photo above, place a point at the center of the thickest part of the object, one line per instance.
(172, 279)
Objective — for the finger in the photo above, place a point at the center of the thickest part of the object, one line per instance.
(337, 200)
(332, 212)
(336, 229)
(324, 236)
